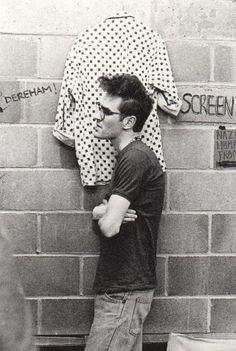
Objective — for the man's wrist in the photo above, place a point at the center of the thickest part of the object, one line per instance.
(95, 214)
(98, 212)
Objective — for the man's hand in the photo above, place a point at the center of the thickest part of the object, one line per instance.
(100, 210)
(130, 216)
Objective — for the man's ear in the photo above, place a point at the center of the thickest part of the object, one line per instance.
(129, 122)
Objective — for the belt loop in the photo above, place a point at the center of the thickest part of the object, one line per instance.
(126, 296)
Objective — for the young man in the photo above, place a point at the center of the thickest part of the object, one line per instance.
(128, 220)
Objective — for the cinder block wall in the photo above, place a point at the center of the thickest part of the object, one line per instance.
(45, 208)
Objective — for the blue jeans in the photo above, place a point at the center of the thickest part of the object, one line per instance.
(118, 321)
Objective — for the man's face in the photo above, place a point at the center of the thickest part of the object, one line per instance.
(108, 121)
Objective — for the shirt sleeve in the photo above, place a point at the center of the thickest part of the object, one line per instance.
(128, 178)
(161, 79)
(64, 124)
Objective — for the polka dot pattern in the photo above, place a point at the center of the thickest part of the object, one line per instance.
(118, 45)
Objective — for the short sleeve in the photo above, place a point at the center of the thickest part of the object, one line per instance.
(128, 177)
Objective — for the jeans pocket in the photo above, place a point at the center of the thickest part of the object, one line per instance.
(114, 297)
(141, 309)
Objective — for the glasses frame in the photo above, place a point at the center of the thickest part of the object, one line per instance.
(103, 114)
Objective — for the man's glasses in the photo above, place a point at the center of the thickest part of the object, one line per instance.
(104, 111)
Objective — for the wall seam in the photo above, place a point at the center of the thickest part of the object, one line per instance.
(166, 277)
(81, 276)
(39, 42)
(39, 316)
(209, 315)
(212, 64)
(210, 233)
(39, 231)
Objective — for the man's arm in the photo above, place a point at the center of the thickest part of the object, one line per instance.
(100, 210)
(116, 210)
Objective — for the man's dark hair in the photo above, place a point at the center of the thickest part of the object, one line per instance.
(136, 102)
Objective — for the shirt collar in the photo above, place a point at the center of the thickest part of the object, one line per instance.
(121, 14)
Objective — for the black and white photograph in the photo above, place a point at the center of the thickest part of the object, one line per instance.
(117, 175)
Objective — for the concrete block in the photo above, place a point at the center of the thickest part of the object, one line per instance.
(53, 53)
(160, 274)
(202, 191)
(10, 110)
(18, 146)
(67, 232)
(66, 317)
(177, 315)
(187, 148)
(18, 56)
(93, 196)
(223, 315)
(208, 104)
(190, 62)
(223, 233)
(63, 17)
(40, 99)
(40, 190)
(54, 153)
(49, 276)
(188, 275)
(28, 101)
(224, 72)
(198, 20)
(183, 233)
(22, 231)
(201, 275)
(222, 277)
(89, 271)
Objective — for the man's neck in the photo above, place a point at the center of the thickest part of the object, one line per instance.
(121, 142)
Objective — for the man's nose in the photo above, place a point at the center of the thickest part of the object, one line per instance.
(98, 117)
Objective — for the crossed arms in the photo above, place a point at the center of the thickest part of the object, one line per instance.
(111, 214)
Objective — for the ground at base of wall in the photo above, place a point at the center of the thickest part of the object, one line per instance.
(146, 347)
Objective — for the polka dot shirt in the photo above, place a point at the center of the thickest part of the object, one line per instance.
(118, 45)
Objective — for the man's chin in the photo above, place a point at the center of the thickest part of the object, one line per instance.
(98, 136)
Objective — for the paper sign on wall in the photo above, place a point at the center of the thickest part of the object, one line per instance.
(225, 148)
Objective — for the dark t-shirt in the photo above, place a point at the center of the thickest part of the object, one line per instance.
(128, 260)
